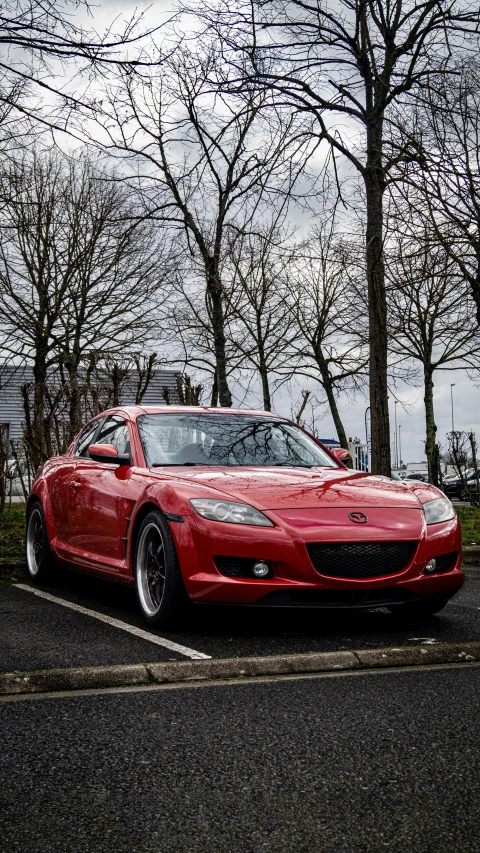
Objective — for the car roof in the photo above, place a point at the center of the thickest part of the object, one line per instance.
(135, 411)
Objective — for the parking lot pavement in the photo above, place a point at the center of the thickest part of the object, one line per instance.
(344, 764)
(36, 633)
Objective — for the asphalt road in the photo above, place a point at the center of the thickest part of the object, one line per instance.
(36, 634)
(349, 764)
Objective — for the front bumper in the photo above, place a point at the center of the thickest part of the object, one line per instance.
(295, 582)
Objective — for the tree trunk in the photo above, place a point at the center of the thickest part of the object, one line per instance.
(3, 469)
(214, 397)
(38, 450)
(263, 370)
(377, 302)
(74, 409)
(215, 294)
(475, 285)
(431, 447)
(332, 402)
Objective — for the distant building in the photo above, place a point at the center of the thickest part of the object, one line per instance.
(13, 377)
(330, 442)
(359, 452)
(413, 467)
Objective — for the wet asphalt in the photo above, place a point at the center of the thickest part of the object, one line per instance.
(349, 764)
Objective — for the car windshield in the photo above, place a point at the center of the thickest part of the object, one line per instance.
(210, 439)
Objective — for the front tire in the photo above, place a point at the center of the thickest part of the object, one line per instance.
(159, 584)
(40, 565)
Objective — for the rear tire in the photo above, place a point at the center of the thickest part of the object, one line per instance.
(159, 584)
(40, 564)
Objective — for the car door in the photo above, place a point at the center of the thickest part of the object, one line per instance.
(59, 486)
(95, 501)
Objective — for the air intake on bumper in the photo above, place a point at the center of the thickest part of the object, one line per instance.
(359, 560)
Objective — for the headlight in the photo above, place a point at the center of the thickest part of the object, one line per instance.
(438, 510)
(231, 512)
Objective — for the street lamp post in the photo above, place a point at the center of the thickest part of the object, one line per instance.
(368, 437)
(451, 397)
(396, 437)
(399, 445)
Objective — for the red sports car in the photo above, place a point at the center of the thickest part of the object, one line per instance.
(238, 507)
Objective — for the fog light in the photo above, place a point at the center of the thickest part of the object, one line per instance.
(431, 566)
(261, 570)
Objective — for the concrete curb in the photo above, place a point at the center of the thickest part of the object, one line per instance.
(471, 555)
(133, 675)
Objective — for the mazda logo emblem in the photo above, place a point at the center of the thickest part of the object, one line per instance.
(358, 517)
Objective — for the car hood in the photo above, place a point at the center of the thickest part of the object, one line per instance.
(271, 489)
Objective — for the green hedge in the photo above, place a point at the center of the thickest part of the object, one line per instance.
(470, 520)
(12, 531)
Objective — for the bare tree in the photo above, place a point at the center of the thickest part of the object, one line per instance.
(40, 40)
(257, 294)
(447, 187)
(349, 66)
(76, 277)
(188, 393)
(204, 162)
(431, 319)
(121, 274)
(145, 371)
(328, 310)
(462, 451)
(31, 285)
(186, 319)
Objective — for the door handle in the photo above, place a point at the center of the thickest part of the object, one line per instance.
(75, 484)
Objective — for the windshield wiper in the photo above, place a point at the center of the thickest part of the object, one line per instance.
(290, 465)
(173, 464)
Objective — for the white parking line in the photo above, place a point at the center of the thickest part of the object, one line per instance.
(117, 623)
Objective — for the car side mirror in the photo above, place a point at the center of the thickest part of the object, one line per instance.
(108, 453)
(340, 453)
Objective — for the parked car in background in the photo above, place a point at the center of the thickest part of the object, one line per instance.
(422, 476)
(455, 488)
(15, 473)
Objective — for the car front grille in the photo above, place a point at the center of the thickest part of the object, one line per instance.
(359, 560)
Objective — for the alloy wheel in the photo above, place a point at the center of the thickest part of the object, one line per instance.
(34, 541)
(151, 569)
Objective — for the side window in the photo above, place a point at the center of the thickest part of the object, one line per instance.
(86, 438)
(115, 431)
